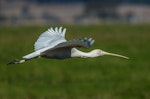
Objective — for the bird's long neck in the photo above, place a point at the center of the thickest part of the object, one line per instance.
(93, 53)
(78, 53)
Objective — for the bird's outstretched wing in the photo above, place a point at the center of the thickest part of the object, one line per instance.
(50, 38)
(80, 42)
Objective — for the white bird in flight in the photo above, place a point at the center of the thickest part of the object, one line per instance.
(52, 44)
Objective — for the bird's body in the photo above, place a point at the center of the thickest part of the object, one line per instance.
(52, 44)
(58, 54)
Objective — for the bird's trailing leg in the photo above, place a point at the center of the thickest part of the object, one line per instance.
(17, 61)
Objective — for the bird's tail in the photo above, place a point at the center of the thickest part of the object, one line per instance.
(17, 61)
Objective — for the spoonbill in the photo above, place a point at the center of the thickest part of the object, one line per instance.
(52, 44)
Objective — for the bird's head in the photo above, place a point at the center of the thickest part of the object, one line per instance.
(98, 52)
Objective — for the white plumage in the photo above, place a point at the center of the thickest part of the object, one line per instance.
(52, 44)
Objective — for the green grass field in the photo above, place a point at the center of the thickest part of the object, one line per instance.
(104, 77)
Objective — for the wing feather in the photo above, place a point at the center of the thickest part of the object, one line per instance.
(60, 30)
(63, 32)
(56, 29)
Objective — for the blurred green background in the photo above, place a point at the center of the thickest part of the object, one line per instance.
(104, 77)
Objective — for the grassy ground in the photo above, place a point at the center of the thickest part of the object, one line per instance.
(94, 78)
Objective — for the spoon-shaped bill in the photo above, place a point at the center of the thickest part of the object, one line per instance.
(112, 54)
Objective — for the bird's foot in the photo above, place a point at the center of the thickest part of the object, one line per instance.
(15, 61)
